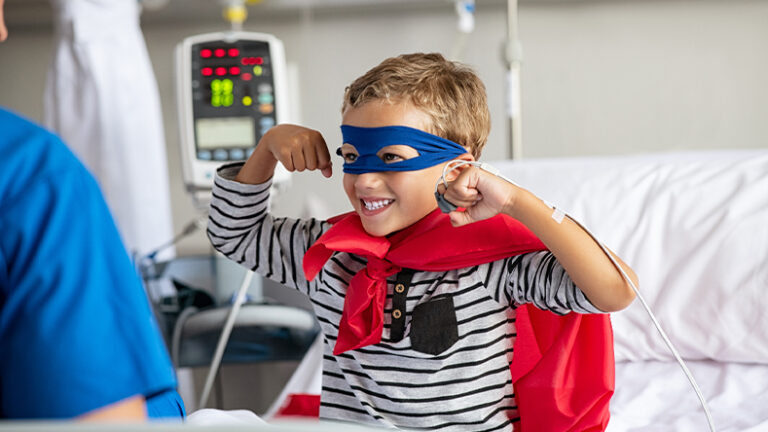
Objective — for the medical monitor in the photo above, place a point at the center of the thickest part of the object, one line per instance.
(230, 92)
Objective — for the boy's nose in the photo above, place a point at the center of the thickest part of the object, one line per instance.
(367, 180)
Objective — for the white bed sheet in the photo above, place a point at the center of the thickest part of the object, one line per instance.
(693, 226)
(655, 396)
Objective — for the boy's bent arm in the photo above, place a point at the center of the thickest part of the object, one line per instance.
(259, 168)
(583, 259)
(296, 147)
(536, 278)
(485, 195)
(240, 227)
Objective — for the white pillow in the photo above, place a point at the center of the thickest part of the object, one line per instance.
(693, 226)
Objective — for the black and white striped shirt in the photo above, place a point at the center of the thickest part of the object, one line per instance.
(448, 339)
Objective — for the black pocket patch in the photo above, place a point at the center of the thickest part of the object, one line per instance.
(433, 326)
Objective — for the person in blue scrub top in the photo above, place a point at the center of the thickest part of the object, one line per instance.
(77, 335)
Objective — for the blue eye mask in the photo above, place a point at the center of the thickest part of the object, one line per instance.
(368, 141)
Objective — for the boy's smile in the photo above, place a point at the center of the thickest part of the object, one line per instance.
(389, 201)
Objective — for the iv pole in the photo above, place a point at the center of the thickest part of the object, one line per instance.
(513, 56)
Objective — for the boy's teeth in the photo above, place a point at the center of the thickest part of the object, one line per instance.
(373, 205)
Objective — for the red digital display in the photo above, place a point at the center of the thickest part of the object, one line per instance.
(221, 71)
(234, 70)
(219, 52)
(234, 52)
(249, 61)
(246, 76)
(206, 71)
(205, 53)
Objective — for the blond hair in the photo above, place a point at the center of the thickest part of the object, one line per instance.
(449, 92)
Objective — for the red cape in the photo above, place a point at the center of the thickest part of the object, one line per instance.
(563, 366)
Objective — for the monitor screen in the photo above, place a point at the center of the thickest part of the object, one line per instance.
(225, 132)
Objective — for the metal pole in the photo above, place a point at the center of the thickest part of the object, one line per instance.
(513, 59)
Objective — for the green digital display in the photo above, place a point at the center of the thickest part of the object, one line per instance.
(221, 92)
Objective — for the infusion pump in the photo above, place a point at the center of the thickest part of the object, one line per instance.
(230, 91)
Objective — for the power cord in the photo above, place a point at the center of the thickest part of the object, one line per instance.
(558, 215)
(224, 338)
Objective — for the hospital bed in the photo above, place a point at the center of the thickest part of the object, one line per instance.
(694, 226)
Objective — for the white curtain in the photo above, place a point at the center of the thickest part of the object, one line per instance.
(102, 99)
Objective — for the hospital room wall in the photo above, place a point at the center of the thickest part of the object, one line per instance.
(599, 77)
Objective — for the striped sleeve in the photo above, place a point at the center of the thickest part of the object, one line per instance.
(241, 227)
(537, 278)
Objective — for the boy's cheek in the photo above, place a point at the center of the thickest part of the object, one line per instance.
(348, 182)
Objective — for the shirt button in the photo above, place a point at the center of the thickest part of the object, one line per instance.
(396, 313)
(399, 288)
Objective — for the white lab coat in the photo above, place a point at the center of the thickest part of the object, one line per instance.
(102, 99)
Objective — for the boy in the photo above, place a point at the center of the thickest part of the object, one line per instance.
(420, 318)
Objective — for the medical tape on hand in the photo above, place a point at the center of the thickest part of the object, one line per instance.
(557, 214)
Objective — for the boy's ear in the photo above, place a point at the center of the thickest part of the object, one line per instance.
(452, 174)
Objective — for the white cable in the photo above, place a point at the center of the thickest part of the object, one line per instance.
(661, 331)
(455, 164)
(224, 338)
(178, 329)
